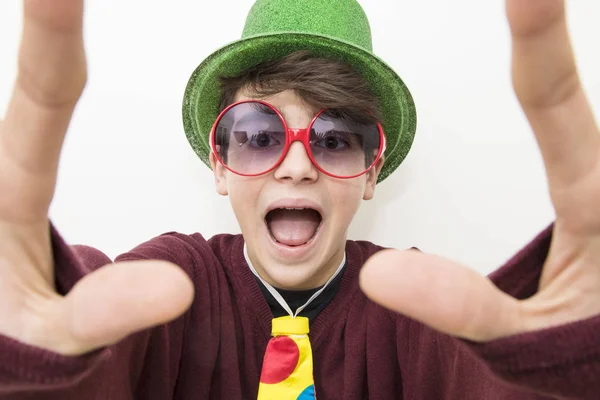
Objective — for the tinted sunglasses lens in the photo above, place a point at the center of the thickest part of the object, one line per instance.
(344, 148)
(250, 138)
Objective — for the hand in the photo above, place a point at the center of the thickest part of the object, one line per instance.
(110, 303)
(460, 302)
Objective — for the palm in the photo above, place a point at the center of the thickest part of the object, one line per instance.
(468, 305)
(52, 74)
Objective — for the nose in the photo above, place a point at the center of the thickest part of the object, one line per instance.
(297, 166)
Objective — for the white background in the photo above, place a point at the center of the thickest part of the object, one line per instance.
(473, 187)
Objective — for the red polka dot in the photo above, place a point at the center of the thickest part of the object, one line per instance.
(281, 359)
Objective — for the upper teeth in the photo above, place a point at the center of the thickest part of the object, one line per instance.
(291, 208)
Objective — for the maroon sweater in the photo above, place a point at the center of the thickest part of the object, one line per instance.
(361, 351)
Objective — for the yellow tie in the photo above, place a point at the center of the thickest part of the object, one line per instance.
(287, 372)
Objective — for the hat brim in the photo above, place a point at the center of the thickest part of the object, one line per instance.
(202, 94)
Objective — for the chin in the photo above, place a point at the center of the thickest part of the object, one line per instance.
(300, 267)
(292, 243)
(298, 277)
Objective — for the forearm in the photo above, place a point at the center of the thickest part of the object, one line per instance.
(562, 361)
(559, 361)
(27, 371)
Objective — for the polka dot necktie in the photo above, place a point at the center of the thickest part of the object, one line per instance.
(287, 372)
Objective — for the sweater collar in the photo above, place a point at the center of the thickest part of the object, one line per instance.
(278, 295)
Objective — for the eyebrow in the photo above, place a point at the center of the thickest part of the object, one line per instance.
(243, 119)
(264, 110)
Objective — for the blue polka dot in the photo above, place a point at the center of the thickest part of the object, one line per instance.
(308, 393)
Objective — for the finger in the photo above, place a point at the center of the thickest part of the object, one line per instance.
(547, 84)
(118, 300)
(50, 79)
(441, 294)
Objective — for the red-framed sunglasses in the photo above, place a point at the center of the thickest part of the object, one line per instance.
(251, 138)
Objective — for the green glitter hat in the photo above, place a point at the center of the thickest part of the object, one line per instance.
(336, 29)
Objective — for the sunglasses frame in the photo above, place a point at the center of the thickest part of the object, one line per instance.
(292, 135)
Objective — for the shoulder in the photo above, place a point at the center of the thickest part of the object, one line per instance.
(361, 250)
(357, 253)
(192, 252)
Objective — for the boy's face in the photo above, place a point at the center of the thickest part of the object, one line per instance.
(294, 184)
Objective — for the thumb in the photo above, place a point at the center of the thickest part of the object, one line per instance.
(120, 299)
(442, 294)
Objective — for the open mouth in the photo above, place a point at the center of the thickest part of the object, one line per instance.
(293, 226)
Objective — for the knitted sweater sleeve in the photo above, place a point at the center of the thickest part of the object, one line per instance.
(562, 361)
(557, 363)
(27, 372)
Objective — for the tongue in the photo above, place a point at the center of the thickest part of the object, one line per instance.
(293, 227)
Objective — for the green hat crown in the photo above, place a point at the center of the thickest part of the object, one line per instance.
(336, 29)
(343, 20)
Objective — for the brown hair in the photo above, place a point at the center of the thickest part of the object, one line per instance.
(320, 82)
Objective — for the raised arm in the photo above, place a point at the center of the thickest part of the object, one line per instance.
(453, 299)
(103, 307)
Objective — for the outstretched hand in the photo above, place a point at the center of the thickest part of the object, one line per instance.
(110, 303)
(458, 301)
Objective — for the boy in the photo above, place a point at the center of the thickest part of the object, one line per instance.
(296, 144)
